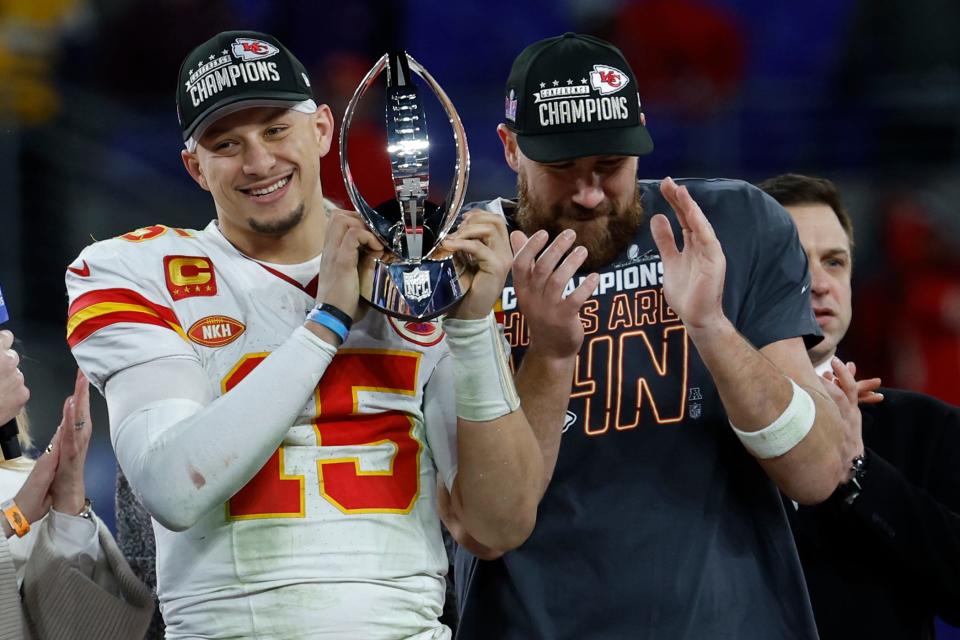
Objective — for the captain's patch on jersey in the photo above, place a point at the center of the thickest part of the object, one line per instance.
(189, 276)
(423, 333)
(215, 331)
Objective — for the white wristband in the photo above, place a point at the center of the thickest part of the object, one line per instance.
(785, 432)
(482, 380)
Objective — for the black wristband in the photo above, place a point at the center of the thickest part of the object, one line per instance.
(336, 313)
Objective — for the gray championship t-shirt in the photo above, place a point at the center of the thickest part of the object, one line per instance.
(657, 523)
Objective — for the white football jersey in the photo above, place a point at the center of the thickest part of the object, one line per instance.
(337, 536)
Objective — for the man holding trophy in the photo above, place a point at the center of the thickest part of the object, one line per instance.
(284, 436)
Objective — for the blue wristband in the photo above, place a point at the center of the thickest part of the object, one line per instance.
(325, 319)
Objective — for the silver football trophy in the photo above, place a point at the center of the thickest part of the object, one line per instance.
(414, 279)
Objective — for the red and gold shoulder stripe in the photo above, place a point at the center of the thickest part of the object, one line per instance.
(98, 309)
(498, 311)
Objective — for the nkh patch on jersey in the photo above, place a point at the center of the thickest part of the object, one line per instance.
(215, 331)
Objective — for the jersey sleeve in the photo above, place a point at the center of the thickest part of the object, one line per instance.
(777, 301)
(440, 411)
(440, 418)
(119, 312)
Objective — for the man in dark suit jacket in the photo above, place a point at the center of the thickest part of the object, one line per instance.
(882, 555)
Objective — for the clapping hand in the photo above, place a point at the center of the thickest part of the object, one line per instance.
(844, 390)
(67, 491)
(866, 389)
(539, 279)
(56, 479)
(692, 277)
(34, 497)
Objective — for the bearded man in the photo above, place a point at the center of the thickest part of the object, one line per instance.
(691, 398)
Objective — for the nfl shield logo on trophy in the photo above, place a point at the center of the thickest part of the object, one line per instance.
(416, 284)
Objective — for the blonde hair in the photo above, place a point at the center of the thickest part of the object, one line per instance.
(23, 425)
(24, 462)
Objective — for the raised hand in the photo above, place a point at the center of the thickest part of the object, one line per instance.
(692, 278)
(13, 392)
(339, 280)
(483, 236)
(866, 389)
(67, 490)
(843, 390)
(34, 497)
(539, 280)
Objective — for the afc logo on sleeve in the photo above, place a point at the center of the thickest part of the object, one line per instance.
(189, 276)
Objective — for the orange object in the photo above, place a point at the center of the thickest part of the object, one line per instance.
(15, 517)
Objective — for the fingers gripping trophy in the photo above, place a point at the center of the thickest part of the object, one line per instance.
(414, 278)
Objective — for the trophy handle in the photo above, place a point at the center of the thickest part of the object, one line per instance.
(458, 188)
(378, 224)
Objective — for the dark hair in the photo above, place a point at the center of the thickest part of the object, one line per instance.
(793, 188)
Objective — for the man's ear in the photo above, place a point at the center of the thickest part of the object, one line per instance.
(192, 165)
(323, 121)
(510, 148)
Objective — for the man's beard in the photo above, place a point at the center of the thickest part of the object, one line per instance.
(281, 226)
(603, 242)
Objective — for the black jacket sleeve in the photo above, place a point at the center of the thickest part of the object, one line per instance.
(911, 494)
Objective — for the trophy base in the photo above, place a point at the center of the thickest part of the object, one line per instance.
(413, 291)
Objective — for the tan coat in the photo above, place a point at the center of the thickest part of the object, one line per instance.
(61, 602)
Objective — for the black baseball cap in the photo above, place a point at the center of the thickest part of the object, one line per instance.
(573, 96)
(236, 70)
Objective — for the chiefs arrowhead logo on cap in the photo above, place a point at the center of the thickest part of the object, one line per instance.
(252, 49)
(607, 80)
